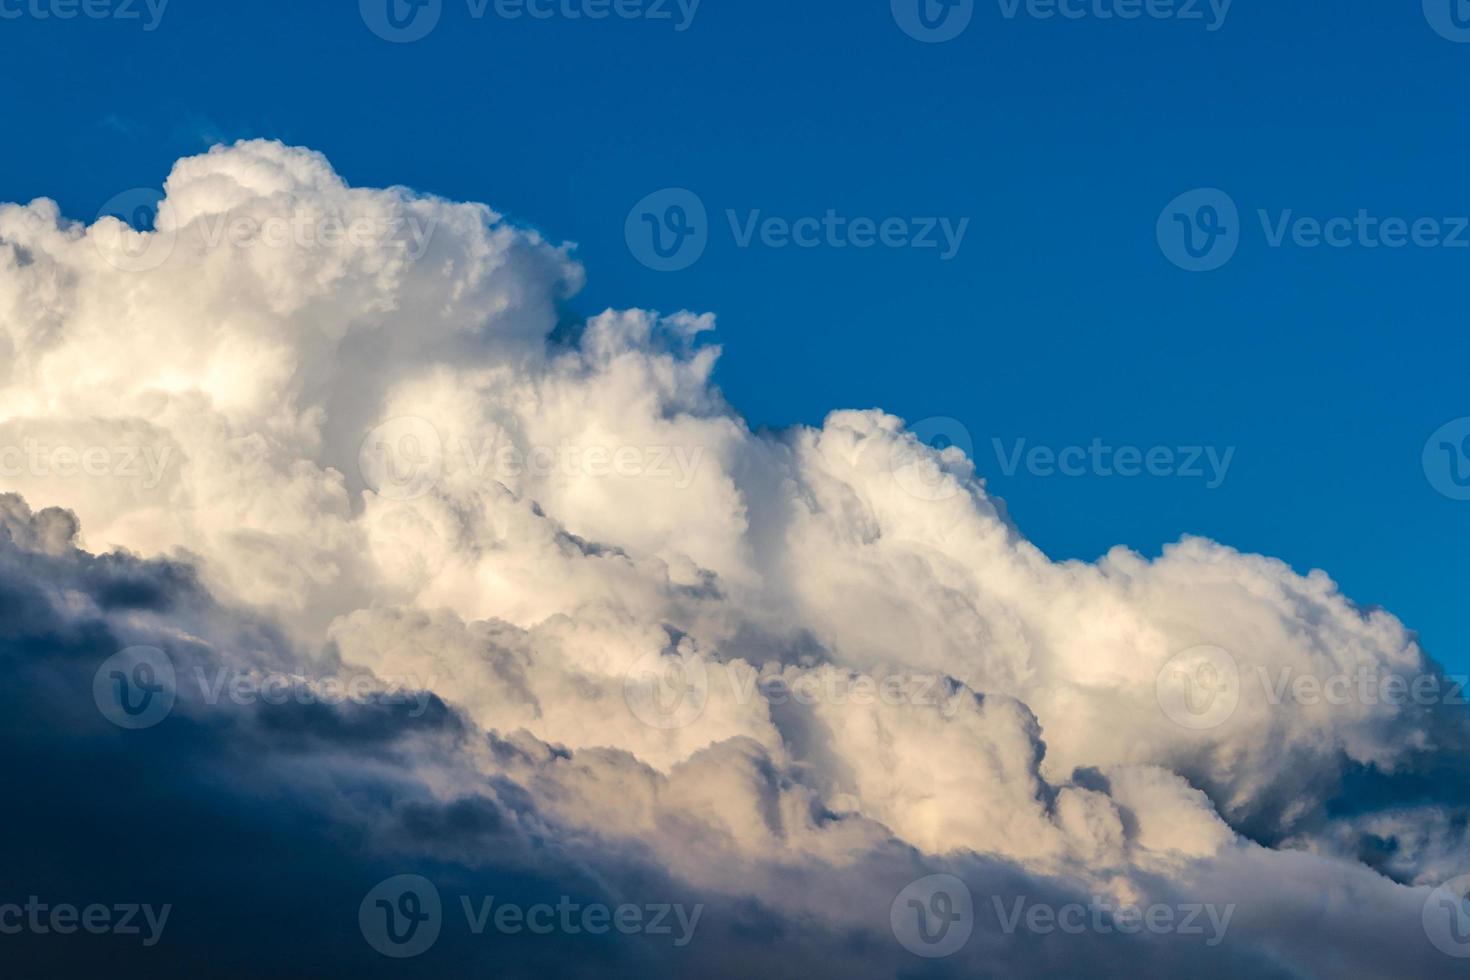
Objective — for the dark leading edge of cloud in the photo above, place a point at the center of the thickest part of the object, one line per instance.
(264, 826)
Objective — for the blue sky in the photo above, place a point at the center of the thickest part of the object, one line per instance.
(1059, 319)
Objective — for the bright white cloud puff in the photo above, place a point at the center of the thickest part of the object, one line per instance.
(339, 431)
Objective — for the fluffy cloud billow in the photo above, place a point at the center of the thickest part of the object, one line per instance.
(349, 594)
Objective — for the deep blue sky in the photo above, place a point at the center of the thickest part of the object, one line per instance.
(1059, 321)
